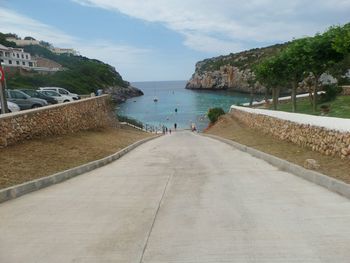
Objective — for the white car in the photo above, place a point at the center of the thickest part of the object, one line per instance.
(12, 107)
(60, 98)
(62, 91)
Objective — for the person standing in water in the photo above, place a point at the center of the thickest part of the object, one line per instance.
(175, 126)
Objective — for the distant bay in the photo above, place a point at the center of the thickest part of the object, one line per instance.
(176, 104)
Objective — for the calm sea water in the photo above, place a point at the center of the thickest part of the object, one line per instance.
(191, 106)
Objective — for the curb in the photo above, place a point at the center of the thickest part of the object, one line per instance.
(37, 184)
(330, 183)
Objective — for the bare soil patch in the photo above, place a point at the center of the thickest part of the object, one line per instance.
(230, 128)
(42, 157)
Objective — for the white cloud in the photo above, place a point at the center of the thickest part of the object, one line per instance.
(13, 22)
(123, 57)
(233, 22)
(209, 44)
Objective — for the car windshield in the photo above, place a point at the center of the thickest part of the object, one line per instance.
(51, 93)
(31, 92)
(63, 91)
(18, 94)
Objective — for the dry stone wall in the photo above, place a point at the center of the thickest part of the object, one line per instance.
(323, 140)
(346, 90)
(56, 120)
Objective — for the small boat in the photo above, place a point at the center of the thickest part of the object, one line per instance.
(155, 99)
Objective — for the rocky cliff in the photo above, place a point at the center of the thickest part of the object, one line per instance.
(233, 71)
(121, 94)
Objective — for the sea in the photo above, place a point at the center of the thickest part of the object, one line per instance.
(175, 104)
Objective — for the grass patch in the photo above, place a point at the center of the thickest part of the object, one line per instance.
(340, 107)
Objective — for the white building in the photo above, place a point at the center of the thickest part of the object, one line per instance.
(60, 51)
(23, 42)
(16, 57)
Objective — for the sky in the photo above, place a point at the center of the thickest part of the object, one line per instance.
(152, 40)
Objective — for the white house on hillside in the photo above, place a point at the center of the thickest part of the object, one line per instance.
(23, 42)
(60, 51)
(15, 57)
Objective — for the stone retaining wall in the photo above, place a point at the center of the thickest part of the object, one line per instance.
(346, 90)
(323, 140)
(56, 120)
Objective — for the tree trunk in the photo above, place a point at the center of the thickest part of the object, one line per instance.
(274, 98)
(277, 95)
(314, 101)
(251, 96)
(294, 96)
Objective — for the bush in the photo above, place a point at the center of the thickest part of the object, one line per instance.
(332, 91)
(214, 113)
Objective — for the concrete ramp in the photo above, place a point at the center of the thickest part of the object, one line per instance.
(178, 198)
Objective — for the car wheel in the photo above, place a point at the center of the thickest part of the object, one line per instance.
(66, 101)
(36, 106)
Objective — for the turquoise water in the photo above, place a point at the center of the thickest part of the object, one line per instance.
(191, 106)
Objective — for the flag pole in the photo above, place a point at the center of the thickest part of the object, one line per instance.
(3, 101)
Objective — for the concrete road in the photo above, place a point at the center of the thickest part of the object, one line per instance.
(179, 198)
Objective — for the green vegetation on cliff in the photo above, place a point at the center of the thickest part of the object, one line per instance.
(81, 75)
(242, 60)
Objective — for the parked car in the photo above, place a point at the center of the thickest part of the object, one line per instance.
(62, 91)
(60, 98)
(12, 107)
(36, 94)
(23, 100)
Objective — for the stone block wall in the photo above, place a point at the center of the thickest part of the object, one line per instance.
(323, 140)
(56, 120)
(346, 90)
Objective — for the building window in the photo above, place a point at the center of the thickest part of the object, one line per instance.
(26, 56)
(22, 56)
(10, 61)
(17, 62)
(23, 63)
(2, 61)
(1, 53)
(30, 64)
(17, 55)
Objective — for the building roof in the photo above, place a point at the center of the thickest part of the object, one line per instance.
(3, 47)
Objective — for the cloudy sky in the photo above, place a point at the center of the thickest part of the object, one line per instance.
(163, 39)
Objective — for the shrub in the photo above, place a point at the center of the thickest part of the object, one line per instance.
(332, 91)
(214, 113)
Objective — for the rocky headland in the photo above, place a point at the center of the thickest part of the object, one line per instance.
(233, 71)
(121, 94)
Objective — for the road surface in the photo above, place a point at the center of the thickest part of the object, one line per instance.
(179, 198)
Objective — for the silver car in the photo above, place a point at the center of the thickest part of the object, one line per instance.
(12, 107)
(23, 100)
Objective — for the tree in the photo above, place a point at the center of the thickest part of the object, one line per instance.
(271, 72)
(341, 40)
(29, 38)
(321, 56)
(295, 58)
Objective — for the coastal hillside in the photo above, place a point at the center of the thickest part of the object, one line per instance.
(79, 74)
(236, 71)
(233, 71)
